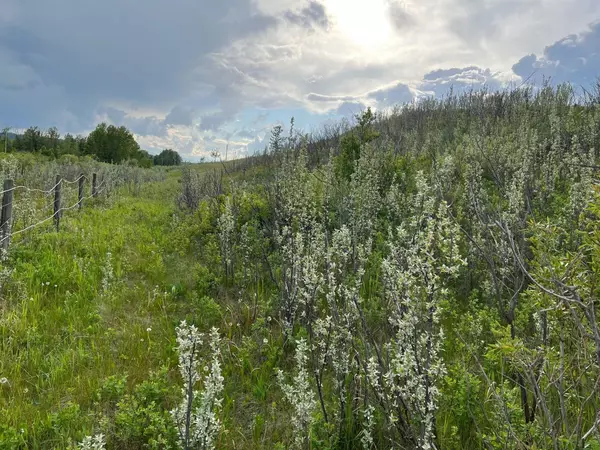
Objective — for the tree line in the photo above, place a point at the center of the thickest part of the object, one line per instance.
(107, 143)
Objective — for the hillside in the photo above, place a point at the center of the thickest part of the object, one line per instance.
(425, 278)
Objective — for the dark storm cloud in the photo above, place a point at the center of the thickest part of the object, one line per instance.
(115, 50)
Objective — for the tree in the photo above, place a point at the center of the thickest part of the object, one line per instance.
(112, 144)
(352, 142)
(144, 159)
(276, 140)
(31, 140)
(168, 157)
(69, 145)
(53, 137)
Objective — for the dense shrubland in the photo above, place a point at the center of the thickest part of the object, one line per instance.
(431, 278)
(424, 278)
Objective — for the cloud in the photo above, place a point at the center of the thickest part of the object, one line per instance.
(313, 16)
(479, 22)
(400, 15)
(97, 56)
(575, 59)
(435, 83)
(249, 134)
(440, 81)
(329, 98)
(176, 72)
(180, 115)
(140, 125)
(394, 94)
(212, 122)
(350, 109)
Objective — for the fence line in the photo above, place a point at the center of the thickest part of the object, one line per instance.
(46, 219)
(8, 199)
(41, 191)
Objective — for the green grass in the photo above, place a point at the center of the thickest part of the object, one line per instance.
(66, 325)
(74, 340)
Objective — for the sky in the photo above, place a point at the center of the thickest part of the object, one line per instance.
(204, 75)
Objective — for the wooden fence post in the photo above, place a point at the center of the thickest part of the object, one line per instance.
(81, 181)
(7, 201)
(57, 211)
(94, 186)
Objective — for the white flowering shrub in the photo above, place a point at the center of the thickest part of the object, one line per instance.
(300, 396)
(196, 417)
(440, 262)
(424, 257)
(364, 198)
(227, 236)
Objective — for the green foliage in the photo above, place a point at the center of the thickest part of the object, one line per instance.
(111, 144)
(11, 438)
(112, 390)
(142, 420)
(168, 157)
(352, 142)
(212, 313)
(144, 159)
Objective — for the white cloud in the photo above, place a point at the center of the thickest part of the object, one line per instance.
(575, 59)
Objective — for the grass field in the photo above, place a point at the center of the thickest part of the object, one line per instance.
(100, 298)
(88, 328)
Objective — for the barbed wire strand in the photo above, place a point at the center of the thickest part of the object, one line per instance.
(49, 191)
(16, 233)
(74, 181)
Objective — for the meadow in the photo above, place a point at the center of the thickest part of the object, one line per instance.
(420, 278)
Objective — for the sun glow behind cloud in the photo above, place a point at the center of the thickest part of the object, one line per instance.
(364, 24)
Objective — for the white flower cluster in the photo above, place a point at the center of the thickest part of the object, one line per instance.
(368, 424)
(311, 270)
(295, 236)
(423, 259)
(364, 199)
(197, 421)
(294, 199)
(292, 248)
(341, 294)
(300, 395)
(226, 225)
(95, 442)
(581, 192)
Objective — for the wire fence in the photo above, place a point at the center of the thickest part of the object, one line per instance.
(56, 203)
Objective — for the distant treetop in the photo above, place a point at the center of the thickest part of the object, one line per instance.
(168, 157)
